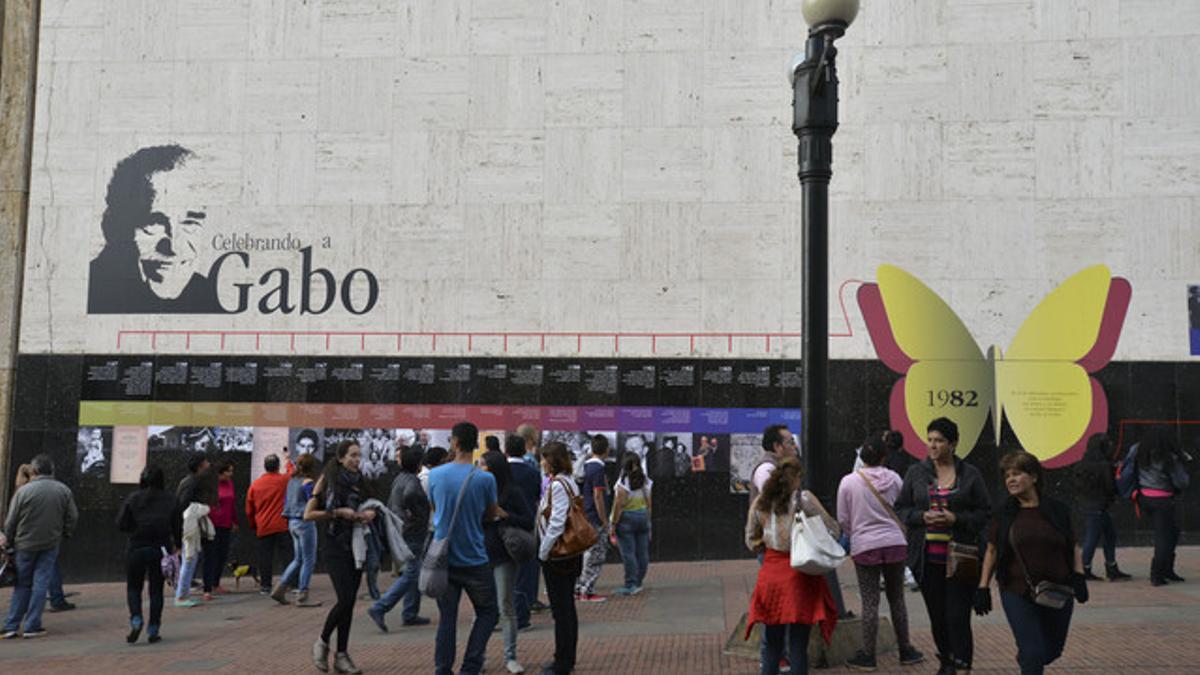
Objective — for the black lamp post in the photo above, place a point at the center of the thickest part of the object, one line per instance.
(815, 108)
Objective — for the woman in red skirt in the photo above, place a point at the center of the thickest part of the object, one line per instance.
(786, 601)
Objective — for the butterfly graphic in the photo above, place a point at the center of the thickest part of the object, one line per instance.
(1041, 385)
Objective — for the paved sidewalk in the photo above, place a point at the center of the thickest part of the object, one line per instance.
(679, 625)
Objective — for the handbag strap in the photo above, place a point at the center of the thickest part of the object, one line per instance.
(458, 502)
(883, 502)
(1012, 530)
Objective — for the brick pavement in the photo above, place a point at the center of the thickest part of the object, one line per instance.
(679, 625)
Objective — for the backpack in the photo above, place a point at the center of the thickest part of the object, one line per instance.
(1127, 474)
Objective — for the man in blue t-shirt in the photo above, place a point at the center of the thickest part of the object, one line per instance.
(469, 568)
(595, 505)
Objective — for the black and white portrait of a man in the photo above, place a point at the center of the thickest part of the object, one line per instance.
(153, 224)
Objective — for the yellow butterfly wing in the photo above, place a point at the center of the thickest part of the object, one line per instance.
(949, 376)
(1046, 395)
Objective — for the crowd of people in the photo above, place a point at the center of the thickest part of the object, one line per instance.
(494, 524)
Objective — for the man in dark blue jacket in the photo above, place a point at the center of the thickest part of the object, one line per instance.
(529, 481)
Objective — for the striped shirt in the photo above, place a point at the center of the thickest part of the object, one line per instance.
(937, 539)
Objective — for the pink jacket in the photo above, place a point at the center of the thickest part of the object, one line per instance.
(861, 515)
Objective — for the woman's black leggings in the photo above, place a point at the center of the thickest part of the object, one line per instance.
(346, 580)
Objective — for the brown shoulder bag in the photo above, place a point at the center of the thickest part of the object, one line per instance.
(578, 534)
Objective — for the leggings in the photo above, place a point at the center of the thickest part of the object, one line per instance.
(145, 564)
(868, 588)
(346, 580)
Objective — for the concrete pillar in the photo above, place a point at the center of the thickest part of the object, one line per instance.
(18, 76)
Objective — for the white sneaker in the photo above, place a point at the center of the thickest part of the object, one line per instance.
(514, 667)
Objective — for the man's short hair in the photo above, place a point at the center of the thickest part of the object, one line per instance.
(196, 461)
(528, 432)
(130, 192)
(271, 464)
(43, 465)
(467, 435)
(772, 435)
(599, 445)
(410, 458)
(514, 446)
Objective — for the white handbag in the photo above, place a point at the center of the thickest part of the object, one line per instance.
(814, 550)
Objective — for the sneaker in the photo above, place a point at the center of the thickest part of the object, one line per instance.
(186, 602)
(537, 607)
(624, 590)
(30, 634)
(635, 590)
(910, 655)
(320, 656)
(514, 667)
(208, 597)
(64, 607)
(154, 638)
(525, 629)
(264, 591)
(377, 617)
(417, 621)
(343, 664)
(9, 635)
(592, 597)
(135, 630)
(862, 662)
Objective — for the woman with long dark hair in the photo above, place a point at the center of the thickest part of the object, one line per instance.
(336, 498)
(504, 568)
(1161, 476)
(155, 527)
(224, 520)
(1030, 542)
(304, 534)
(945, 506)
(786, 601)
(1095, 491)
(560, 575)
(631, 523)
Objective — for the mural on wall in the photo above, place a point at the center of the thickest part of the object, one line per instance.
(158, 234)
(1041, 385)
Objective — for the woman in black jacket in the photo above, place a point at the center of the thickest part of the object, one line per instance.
(155, 527)
(1030, 541)
(514, 513)
(943, 502)
(1095, 491)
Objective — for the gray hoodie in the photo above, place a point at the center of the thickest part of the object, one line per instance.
(41, 514)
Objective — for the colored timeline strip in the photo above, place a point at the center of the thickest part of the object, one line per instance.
(352, 416)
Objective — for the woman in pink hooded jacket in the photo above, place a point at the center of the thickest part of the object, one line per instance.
(878, 547)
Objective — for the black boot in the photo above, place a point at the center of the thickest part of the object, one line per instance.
(1087, 574)
(1114, 573)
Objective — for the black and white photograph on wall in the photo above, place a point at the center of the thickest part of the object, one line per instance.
(233, 439)
(306, 441)
(199, 439)
(166, 438)
(93, 452)
(378, 450)
(673, 458)
(710, 453)
(575, 441)
(640, 444)
(745, 451)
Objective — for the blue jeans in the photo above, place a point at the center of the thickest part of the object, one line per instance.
(55, 592)
(187, 570)
(506, 580)
(1040, 632)
(35, 570)
(304, 554)
(1097, 524)
(786, 639)
(526, 591)
(372, 566)
(405, 587)
(480, 586)
(633, 534)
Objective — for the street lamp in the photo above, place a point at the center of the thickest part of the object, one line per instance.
(815, 99)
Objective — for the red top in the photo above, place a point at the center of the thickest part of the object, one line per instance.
(222, 515)
(264, 504)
